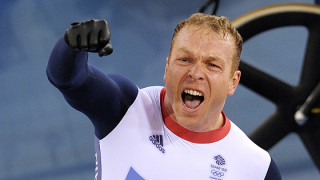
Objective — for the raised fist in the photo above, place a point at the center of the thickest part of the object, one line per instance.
(91, 36)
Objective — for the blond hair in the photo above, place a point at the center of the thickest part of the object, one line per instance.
(218, 24)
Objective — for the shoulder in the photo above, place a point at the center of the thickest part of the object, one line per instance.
(237, 133)
(153, 92)
(247, 148)
(247, 145)
(252, 151)
(273, 172)
(148, 99)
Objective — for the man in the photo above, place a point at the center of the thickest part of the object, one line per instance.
(174, 132)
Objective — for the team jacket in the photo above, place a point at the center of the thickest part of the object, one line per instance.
(136, 138)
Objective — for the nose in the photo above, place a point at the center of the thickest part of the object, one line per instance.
(196, 72)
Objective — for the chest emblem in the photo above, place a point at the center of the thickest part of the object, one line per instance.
(218, 168)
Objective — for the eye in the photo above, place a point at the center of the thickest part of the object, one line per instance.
(183, 59)
(214, 65)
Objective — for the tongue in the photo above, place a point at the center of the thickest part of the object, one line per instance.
(191, 102)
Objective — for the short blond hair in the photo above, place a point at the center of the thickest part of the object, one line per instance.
(218, 24)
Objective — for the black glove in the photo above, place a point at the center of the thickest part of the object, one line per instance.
(91, 36)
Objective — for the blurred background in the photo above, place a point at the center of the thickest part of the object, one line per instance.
(41, 137)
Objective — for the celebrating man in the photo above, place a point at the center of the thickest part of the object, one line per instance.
(174, 132)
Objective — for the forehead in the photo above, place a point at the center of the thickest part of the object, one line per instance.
(204, 40)
(203, 33)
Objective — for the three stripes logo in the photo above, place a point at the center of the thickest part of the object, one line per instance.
(157, 140)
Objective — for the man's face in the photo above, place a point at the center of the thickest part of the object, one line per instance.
(198, 77)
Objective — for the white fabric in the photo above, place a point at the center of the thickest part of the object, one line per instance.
(128, 146)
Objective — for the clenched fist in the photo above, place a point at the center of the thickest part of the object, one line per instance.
(91, 36)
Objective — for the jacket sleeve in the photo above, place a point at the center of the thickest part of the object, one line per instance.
(273, 172)
(103, 98)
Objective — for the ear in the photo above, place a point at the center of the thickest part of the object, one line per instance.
(166, 69)
(234, 82)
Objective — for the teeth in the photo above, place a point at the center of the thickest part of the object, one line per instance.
(192, 92)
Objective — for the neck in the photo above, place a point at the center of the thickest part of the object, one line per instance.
(191, 136)
(215, 121)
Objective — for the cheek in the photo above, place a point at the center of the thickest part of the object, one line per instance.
(170, 74)
(219, 88)
(167, 78)
(172, 81)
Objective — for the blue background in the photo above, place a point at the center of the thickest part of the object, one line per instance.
(41, 137)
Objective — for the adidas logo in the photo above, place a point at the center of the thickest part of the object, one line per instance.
(157, 140)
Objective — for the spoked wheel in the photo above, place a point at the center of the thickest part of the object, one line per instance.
(287, 98)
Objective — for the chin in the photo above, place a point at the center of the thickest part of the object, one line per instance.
(188, 122)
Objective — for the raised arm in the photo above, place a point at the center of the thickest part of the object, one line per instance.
(103, 98)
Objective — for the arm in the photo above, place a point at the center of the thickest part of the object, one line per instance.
(273, 172)
(103, 98)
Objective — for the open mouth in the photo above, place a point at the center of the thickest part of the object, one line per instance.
(191, 98)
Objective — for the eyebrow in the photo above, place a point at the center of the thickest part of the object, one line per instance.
(184, 50)
(210, 57)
